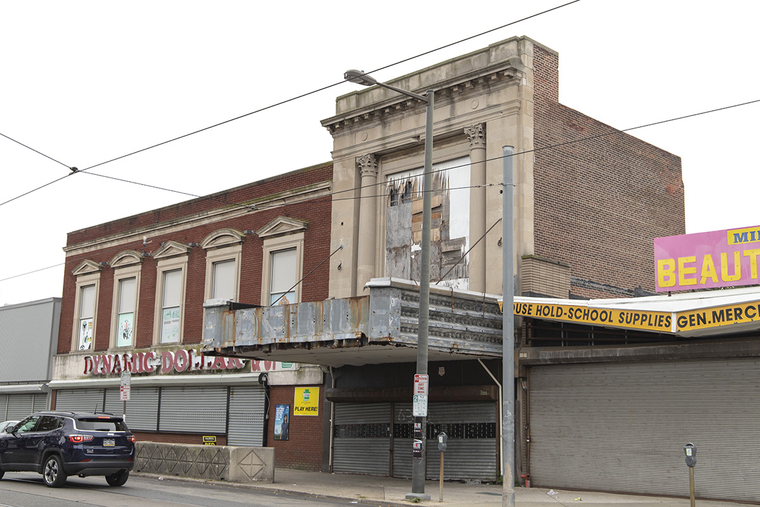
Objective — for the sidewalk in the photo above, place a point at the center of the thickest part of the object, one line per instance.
(388, 491)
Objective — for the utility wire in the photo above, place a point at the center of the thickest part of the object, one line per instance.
(500, 157)
(327, 87)
(36, 151)
(144, 185)
(75, 170)
(474, 36)
(253, 207)
(307, 275)
(32, 272)
(468, 251)
(612, 132)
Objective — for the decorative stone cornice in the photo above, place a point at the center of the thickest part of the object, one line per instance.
(367, 165)
(280, 226)
(171, 249)
(126, 258)
(222, 238)
(86, 267)
(170, 227)
(476, 135)
(470, 73)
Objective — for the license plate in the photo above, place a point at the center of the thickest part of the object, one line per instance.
(109, 442)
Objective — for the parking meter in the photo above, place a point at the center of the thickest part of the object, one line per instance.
(442, 441)
(691, 454)
(443, 438)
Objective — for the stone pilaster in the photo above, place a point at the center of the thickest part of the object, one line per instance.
(366, 241)
(477, 257)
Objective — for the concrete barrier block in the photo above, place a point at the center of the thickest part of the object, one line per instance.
(208, 462)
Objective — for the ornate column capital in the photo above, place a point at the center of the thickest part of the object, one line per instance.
(477, 135)
(367, 165)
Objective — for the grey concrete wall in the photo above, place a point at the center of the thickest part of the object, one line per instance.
(210, 462)
(28, 336)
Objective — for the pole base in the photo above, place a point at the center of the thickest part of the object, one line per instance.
(420, 496)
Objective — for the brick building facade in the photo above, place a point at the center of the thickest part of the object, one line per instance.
(588, 202)
(134, 291)
(601, 195)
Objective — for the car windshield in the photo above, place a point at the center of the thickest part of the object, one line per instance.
(97, 424)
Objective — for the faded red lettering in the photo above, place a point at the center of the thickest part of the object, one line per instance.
(181, 360)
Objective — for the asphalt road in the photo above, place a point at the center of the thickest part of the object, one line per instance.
(28, 490)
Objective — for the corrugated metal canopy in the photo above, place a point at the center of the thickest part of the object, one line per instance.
(378, 328)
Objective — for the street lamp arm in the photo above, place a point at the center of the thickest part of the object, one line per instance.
(359, 77)
(417, 96)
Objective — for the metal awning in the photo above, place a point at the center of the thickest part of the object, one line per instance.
(378, 328)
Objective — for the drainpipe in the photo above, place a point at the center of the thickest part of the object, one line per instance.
(501, 421)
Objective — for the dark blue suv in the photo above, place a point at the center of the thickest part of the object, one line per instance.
(59, 444)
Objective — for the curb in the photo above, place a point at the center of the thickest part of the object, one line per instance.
(277, 490)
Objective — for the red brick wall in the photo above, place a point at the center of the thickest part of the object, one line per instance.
(600, 201)
(315, 212)
(303, 450)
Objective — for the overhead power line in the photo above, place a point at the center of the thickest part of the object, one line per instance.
(74, 170)
(32, 272)
(35, 151)
(247, 205)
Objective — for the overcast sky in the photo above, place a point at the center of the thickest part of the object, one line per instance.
(84, 82)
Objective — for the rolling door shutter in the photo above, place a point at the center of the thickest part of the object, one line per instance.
(142, 407)
(622, 427)
(40, 402)
(194, 409)
(362, 438)
(472, 447)
(246, 424)
(80, 400)
(403, 421)
(21, 405)
(4, 407)
(472, 444)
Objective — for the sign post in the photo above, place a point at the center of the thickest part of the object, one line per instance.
(125, 391)
(420, 400)
(419, 411)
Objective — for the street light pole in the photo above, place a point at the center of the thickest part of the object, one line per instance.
(420, 421)
(508, 329)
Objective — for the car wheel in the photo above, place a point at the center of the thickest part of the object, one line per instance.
(52, 472)
(117, 479)
(1, 474)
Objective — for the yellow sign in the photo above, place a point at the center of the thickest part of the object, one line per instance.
(718, 316)
(664, 322)
(209, 440)
(630, 319)
(306, 401)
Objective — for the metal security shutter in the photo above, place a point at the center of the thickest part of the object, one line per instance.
(622, 427)
(201, 409)
(362, 438)
(82, 400)
(142, 407)
(472, 444)
(402, 440)
(20, 405)
(246, 418)
(40, 402)
(4, 407)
